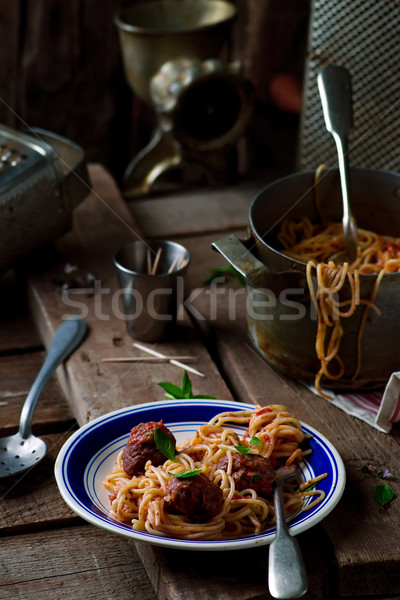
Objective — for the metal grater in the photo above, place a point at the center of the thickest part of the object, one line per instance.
(43, 177)
(363, 36)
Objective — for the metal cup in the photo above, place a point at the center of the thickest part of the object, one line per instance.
(151, 277)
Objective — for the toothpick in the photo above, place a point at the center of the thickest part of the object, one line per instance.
(145, 358)
(172, 267)
(172, 361)
(156, 261)
(148, 261)
(182, 263)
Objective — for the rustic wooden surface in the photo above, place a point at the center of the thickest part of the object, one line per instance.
(100, 387)
(353, 552)
(46, 552)
(71, 563)
(192, 213)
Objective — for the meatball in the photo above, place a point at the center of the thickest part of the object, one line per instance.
(142, 447)
(250, 471)
(197, 498)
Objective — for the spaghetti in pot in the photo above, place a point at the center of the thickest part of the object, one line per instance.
(272, 433)
(316, 245)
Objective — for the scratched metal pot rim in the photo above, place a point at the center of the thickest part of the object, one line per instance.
(264, 233)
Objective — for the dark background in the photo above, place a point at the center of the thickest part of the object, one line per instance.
(61, 70)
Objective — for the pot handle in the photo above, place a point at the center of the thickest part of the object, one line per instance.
(240, 257)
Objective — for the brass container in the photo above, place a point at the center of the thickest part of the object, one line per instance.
(153, 33)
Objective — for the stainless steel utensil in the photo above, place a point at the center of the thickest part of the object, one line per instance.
(23, 450)
(287, 577)
(43, 177)
(334, 85)
(151, 276)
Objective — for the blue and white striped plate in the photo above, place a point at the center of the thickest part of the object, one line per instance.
(90, 454)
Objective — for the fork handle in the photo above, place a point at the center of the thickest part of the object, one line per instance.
(334, 83)
(287, 576)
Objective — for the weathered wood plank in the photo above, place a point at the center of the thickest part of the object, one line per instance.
(74, 562)
(197, 212)
(241, 574)
(16, 330)
(102, 224)
(17, 374)
(32, 501)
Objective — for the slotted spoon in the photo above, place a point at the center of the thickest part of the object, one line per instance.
(23, 450)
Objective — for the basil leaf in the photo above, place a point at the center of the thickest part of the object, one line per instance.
(308, 488)
(164, 443)
(383, 494)
(186, 385)
(171, 396)
(242, 449)
(255, 478)
(174, 392)
(186, 474)
(255, 441)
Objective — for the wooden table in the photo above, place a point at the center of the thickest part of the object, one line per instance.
(46, 551)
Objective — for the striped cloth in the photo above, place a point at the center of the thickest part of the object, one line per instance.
(379, 409)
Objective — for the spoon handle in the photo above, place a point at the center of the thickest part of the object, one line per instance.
(66, 338)
(287, 576)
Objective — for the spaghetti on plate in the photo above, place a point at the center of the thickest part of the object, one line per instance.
(218, 484)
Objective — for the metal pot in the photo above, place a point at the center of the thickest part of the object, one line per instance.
(281, 320)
